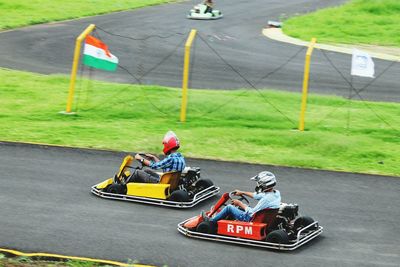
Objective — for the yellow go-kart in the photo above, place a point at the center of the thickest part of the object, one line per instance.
(176, 189)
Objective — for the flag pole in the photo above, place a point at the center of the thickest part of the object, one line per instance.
(349, 104)
(305, 83)
(185, 79)
(74, 69)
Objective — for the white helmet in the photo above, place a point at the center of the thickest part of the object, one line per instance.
(265, 180)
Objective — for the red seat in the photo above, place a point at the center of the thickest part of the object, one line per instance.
(266, 216)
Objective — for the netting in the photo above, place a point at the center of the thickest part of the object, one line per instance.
(221, 62)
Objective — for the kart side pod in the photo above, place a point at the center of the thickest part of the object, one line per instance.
(255, 231)
(161, 191)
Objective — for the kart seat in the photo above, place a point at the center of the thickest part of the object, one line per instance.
(265, 216)
(171, 178)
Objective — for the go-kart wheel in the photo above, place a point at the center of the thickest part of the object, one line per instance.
(206, 228)
(179, 196)
(302, 222)
(116, 189)
(204, 183)
(278, 237)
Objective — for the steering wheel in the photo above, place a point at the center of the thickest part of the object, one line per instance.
(143, 155)
(232, 195)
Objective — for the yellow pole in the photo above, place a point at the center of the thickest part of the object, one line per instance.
(185, 80)
(75, 62)
(305, 83)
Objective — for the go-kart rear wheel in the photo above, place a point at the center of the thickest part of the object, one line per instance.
(204, 183)
(207, 227)
(278, 237)
(179, 196)
(302, 222)
(116, 189)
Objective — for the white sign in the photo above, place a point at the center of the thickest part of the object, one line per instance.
(362, 64)
(247, 230)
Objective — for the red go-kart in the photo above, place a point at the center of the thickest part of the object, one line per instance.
(280, 229)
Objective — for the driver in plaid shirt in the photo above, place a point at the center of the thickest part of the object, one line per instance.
(173, 162)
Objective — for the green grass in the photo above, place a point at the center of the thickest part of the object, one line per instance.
(28, 12)
(22, 261)
(375, 22)
(26, 262)
(135, 118)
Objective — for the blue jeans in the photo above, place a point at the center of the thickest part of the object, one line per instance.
(233, 211)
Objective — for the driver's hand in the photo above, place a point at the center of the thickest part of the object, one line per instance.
(238, 192)
(138, 157)
(150, 156)
(236, 202)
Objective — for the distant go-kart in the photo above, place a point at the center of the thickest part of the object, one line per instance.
(198, 12)
(176, 189)
(280, 229)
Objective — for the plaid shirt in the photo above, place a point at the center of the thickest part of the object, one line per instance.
(174, 162)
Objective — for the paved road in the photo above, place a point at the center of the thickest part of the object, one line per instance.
(237, 38)
(46, 206)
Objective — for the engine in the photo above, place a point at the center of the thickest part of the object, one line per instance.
(289, 211)
(190, 175)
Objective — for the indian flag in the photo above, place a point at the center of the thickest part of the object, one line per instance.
(97, 55)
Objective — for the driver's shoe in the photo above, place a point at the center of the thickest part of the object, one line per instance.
(116, 180)
(204, 216)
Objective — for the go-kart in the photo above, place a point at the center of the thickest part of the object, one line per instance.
(199, 12)
(280, 229)
(176, 189)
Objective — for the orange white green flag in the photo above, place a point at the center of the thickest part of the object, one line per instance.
(97, 55)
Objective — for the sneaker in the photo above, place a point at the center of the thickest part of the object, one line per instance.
(204, 216)
(116, 180)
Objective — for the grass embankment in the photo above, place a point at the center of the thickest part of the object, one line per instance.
(374, 22)
(26, 262)
(34, 259)
(20, 13)
(124, 117)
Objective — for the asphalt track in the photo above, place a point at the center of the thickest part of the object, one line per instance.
(237, 38)
(46, 206)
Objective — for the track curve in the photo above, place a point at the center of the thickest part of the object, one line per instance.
(47, 206)
(237, 38)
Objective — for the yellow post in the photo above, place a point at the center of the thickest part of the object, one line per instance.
(305, 83)
(75, 62)
(185, 80)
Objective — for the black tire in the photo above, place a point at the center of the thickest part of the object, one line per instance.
(302, 222)
(116, 189)
(278, 237)
(207, 228)
(204, 183)
(179, 196)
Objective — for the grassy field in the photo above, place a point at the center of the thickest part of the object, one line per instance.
(27, 12)
(375, 22)
(134, 118)
(27, 262)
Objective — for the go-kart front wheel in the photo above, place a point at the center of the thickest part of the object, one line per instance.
(179, 196)
(278, 237)
(207, 227)
(116, 189)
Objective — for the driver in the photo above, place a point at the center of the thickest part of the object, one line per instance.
(173, 162)
(265, 193)
(209, 4)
